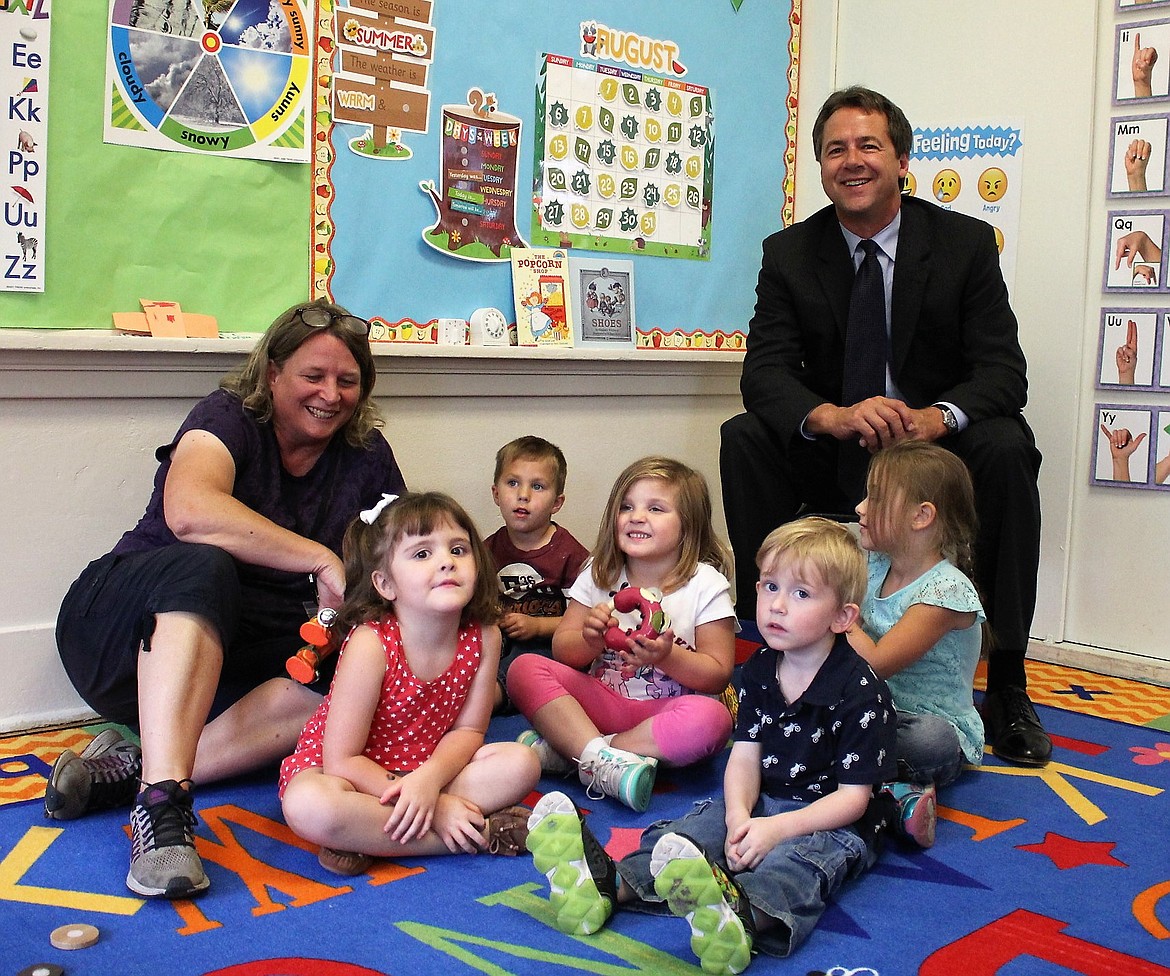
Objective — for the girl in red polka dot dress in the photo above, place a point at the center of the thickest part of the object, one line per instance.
(393, 763)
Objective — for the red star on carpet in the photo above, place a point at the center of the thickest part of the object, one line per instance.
(623, 841)
(1068, 853)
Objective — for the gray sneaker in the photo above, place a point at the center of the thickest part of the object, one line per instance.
(104, 775)
(163, 861)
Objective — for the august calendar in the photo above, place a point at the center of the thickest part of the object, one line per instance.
(624, 160)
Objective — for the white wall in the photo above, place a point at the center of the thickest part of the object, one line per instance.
(83, 420)
(982, 62)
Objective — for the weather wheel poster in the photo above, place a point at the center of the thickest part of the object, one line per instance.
(221, 77)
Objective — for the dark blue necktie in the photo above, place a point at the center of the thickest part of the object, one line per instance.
(864, 368)
(865, 332)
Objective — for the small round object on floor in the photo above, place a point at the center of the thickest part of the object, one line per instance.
(42, 969)
(75, 936)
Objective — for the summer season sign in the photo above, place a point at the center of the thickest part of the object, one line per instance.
(228, 77)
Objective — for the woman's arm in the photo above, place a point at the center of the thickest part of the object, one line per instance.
(916, 632)
(199, 507)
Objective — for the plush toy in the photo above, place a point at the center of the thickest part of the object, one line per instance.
(319, 644)
(654, 619)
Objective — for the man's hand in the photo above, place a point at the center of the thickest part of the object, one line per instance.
(1137, 158)
(1127, 355)
(1142, 67)
(877, 422)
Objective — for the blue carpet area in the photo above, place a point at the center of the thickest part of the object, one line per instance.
(1034, 872)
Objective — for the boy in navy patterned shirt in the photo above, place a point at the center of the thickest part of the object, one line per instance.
(815, 734)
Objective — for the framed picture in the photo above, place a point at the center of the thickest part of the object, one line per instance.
(603, 288)
(1133, 256)
(1137, 156)
(1141, 64)
(1127, 348)
(1121, 445)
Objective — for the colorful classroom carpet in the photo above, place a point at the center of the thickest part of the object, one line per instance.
(1035, 873)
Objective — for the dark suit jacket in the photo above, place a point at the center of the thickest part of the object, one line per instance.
(953, 334)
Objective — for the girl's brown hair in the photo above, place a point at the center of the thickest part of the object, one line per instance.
(284, 337)
(367, 547)
(912, 472)
(699, 543)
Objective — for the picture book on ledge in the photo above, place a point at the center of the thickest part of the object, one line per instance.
(542, 295)
(603, 287)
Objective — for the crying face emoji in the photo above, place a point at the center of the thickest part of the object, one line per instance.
(946, 185)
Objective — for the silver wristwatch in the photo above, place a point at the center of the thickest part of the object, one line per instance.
(950, 421)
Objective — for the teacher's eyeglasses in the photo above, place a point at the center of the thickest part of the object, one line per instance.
(322, 318)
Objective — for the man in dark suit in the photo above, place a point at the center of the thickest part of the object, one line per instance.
(954, 373)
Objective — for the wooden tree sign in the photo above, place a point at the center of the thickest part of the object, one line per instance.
(476, 198)
(395, 53)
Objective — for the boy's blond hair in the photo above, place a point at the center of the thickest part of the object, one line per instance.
(824, 546)
(533, 448)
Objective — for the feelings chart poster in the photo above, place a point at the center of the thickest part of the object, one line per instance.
(624, 160)
(974, 169)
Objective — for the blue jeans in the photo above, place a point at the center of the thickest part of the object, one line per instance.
(792, 884)
(928, 749)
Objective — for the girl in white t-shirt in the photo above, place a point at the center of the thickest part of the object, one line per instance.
(658, 697)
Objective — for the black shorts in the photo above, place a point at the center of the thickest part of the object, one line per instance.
(109, 613)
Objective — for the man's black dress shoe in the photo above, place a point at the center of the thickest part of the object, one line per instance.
(1013, 728)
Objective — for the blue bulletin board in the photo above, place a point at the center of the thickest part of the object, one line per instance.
(395, 238)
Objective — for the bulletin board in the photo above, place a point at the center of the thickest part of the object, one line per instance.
(221, 236)
(384, 225)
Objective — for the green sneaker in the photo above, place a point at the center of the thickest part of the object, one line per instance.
(551, 761)
(626, 776)
(582, 879)
(714, 906)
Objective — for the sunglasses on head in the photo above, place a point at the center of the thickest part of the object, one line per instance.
(322, 318)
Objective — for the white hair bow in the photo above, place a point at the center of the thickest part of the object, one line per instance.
(370, 515)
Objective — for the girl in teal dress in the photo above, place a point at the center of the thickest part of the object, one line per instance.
(921, 620)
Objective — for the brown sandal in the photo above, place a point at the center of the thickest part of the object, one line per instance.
(345, 863)
(507, 831)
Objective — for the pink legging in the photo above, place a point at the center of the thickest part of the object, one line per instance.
(686, 729)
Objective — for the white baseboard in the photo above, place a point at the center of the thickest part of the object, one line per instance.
(1100, 660)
